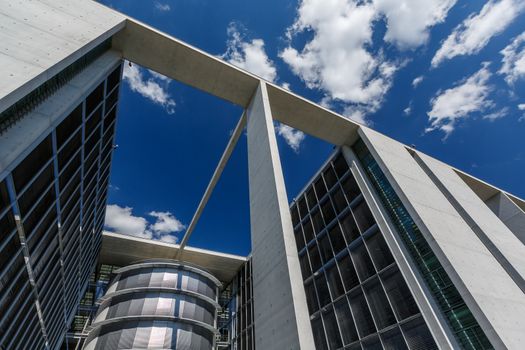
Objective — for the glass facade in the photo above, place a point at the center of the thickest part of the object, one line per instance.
(52, 208)
(465, 327)
(356, 295)
(235, 320)
(157, 304)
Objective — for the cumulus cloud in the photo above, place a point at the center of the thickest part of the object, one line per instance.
(154, 88)
(249, 55)
(521, 106)
(514, 60)
(337, 60)
(162, 7)
(121, 220)
(421, 14)
(293, 137)
(476, 31)
(417, 81)
(454, 104)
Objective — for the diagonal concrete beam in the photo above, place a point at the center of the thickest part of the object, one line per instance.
(214, 179)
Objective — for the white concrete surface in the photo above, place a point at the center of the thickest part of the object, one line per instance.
(508, 212)
(280, 312)
(496, 301)
(40, 38)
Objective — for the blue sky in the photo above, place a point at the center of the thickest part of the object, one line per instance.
(447, 76)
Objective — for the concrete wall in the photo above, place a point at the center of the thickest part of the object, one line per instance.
(508, 212)
(280, 312)
(494, 298)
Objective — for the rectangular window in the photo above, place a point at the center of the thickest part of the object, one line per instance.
(402, 301)
(337, 239)
(328, 211)
(319, 336)
(320, 188)
(346, 321)
(362, 261)
(363, 216)
(322, 290)
(334, 281)
(340, 165)
(315, 258)
(339, 200)
(349, 226)
(329, 177)
(351, 189)
(348, 273)
(332, 332)
(379, 305)
(379, 250)
(325, 248)
(363, 318)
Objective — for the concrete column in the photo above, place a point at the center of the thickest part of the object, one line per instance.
(280, 312)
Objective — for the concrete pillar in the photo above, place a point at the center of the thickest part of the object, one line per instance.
(280, 312)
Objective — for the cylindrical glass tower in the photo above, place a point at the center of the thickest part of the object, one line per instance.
(157, 304)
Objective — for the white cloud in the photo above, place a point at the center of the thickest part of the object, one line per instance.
(476, 31)
(166, 222)
(408, 110)
(292, 137)
(409, 21)
(496, 115)
(454, 104)
(162, 7)
(514, 60)
(337, 60)
(121, 220)
(249, 55)
(521, 106)
(417, 81)
(149, 88)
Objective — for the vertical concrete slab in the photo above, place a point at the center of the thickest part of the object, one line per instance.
(508, 212)
(280, 311)
(490, 293)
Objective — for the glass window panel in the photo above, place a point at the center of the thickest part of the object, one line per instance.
(362, 316)
(319, 337)
(400, 296)
(379, 251)
(340, 165)
(325, 248)
(379, 305)
(315, 258)
(348, 273)
(362, 262)
(346, 321)
(305, 265)
(322, 290)
(299, 239)
(349, 227)
(417, 335)
(318, 221)
(329, 177)
(311, 297)
(310, 197)
(334, 281)
(303, 209)
(372, 343)
(295, 215)
(328, 211)
(339, 200)
(393, 340)
(332, 332)
(320, 188)
(308, 231)
(337, 239)
(350, 187)
(363, 216)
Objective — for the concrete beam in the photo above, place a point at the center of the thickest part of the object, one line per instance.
(280, 312)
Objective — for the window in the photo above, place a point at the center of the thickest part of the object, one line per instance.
(348, 273)
(362, 261)
(295, 215)
(308, 231)
(379, 250)
(32, 164)
(339, 200)
(305, 265)
(402, 301)
(363, 319)
(337, 239)
(315, 258)
(340, 165)
(303, 209)
(328, 211)
(372, 343)
(350, 230)
(320, 188)
(329, 177)
(94, 98)
(418, 336)
(393, 340)
(69, 125)
(318, 221)
(325, 248)
(299, 239)
(322, 290)
(346, 321)
(318, 331)
(311, 297)
(363, 216)
(332, 332)
(378, 302)
(334, 281)
(351, 189)
(310, 197)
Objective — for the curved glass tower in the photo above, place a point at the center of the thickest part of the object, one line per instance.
(157, 304)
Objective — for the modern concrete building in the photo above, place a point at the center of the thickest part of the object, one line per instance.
(386, 247)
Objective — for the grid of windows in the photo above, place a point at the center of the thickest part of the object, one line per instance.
(356, 295)
(59, 192)
(235, 319)
(461, 320)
